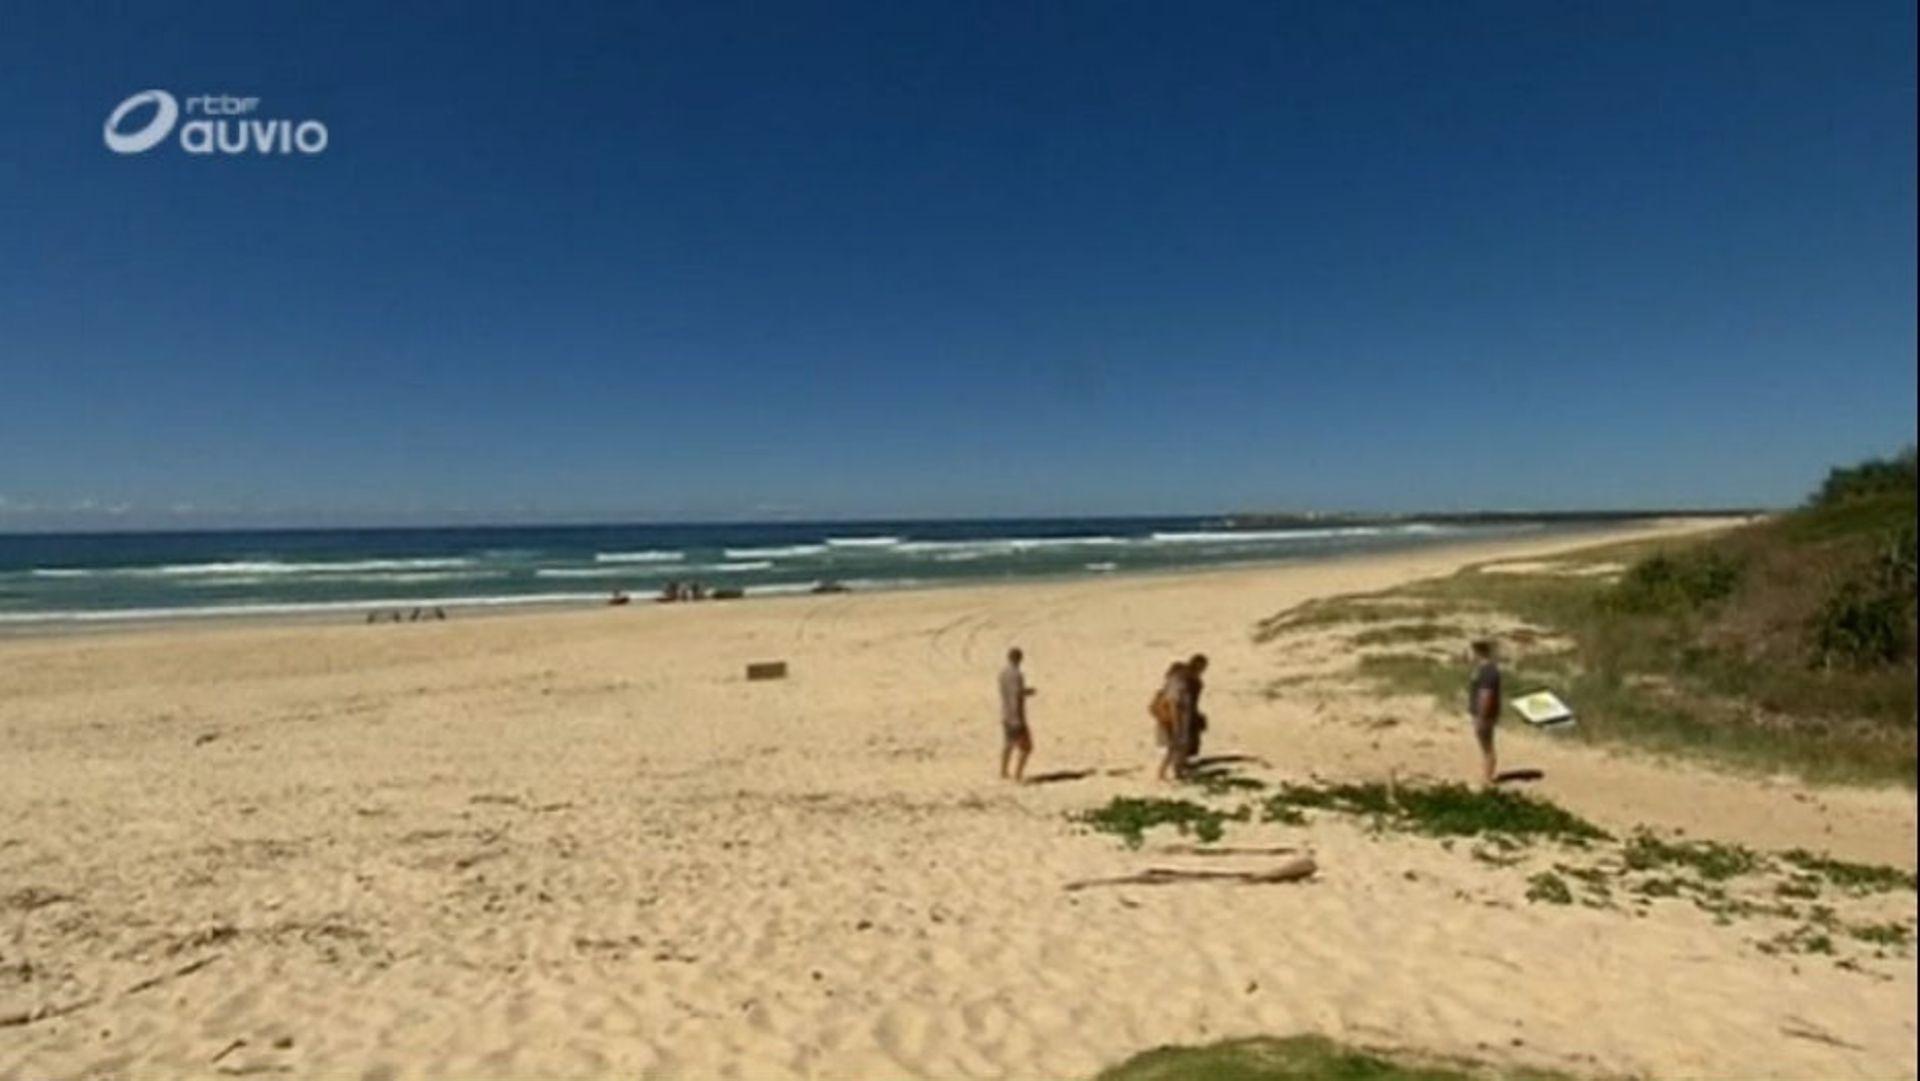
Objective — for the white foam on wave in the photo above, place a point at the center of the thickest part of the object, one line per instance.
(253, 567)
(1024, 544)
(780, 589)
(215, 611)
(650, 555)
(938, 548)
(229, 580)
(1102, 567)
(590, 572)
(776, 589)
(790, 551)
(1001, 546)
(420, 576)
(862, 542)
(1262, 536)
(960, 557)
(869, 584)
(643, 571)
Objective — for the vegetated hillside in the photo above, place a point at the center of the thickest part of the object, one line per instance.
(1784, 645)
(1813, 611)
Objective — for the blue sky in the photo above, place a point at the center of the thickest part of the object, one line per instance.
(702, 260)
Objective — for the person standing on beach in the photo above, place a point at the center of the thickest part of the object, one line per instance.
(1162, 711)
(1018, 738)
(1180, 735)
(1196, 671)
(1483, 705)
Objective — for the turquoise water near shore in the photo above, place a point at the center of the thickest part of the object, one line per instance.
(102, 577)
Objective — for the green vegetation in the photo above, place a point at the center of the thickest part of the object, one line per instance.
(1868, 619)
(1130, 818)
(1800, 888)
(1855, 878)
(1806, 938)
(1874, 479)
(1644, 867)
(1882, 934)
(1549, 888)
(1222, 781)
(1335, 611)
(1711, 860)
(1787, 644)
(1728, 882)
(1299, 1058)
(1443, 810)
(1675, 582)
(1398, 634)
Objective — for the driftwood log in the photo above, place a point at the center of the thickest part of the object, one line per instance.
(1294, 870)
(1229, 850)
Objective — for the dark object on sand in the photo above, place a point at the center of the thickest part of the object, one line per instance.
(1295, 870)
(760, 670)
(618, 598)
(728, 593)
(830, 587)
(683, 591)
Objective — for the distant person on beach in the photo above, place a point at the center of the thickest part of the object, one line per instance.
(1196, 682)
(1164, 720)
(1018, 738)
(1178, 695)
(1483, 705)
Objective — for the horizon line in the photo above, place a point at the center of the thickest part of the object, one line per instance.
(1230, 518)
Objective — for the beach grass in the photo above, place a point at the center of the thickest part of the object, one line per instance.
(1786, 645)
(1589, 867)
(1129, 818)
(1297, 1058)
(1441, 810)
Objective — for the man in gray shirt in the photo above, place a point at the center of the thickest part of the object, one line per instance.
(1014, 693)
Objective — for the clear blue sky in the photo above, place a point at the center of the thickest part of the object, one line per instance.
(712, 259)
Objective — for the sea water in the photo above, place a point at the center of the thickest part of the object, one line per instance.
(98, 577)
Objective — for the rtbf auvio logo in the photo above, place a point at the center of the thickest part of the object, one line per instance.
(215, 124)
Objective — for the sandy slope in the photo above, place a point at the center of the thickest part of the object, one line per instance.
(579, 845)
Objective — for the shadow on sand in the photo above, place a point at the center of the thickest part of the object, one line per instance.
(1060, 775)
(1519, 776)
(1217, 761)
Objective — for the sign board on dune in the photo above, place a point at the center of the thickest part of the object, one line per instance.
(1543, 709)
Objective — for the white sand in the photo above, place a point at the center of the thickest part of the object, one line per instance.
(580, 845)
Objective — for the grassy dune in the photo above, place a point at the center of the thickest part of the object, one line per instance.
(1787, 644)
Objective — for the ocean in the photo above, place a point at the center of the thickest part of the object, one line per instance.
(103, 577)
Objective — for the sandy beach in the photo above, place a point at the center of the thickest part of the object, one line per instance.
(579, 844)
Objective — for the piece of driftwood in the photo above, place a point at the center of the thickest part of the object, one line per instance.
(184, 970)
(44, 1013)
(767, 670)
(1295, 870)
(228, 1050)
(1805, 1030)
(48, 1013)
(1203, 850)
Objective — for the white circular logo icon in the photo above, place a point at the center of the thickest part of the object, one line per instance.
(146, 138)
